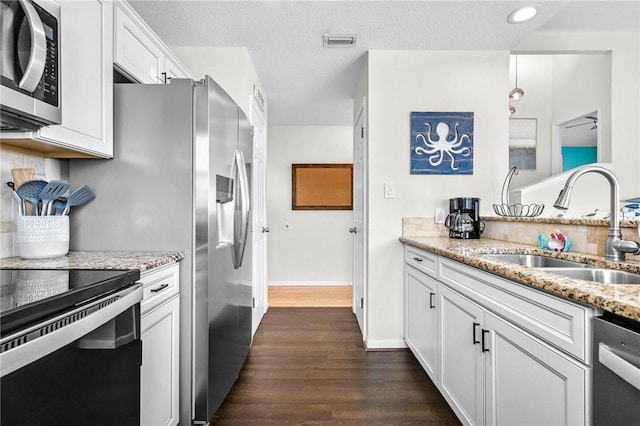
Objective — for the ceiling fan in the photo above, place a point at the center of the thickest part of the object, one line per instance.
(592, 119)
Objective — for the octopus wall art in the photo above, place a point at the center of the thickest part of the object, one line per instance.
(442, 143)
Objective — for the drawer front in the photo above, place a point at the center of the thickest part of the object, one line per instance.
(422, 260)
(561, 323)
(159, 285)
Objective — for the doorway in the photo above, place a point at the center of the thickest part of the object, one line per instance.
(577, 142)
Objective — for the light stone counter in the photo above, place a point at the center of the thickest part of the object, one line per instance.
(141, 260)
(620, 299)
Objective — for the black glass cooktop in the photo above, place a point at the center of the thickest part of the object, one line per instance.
(31, 295)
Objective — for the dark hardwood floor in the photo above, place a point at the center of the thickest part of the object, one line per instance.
(308, 366)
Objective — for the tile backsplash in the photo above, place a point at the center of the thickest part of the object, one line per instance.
(588, 236)
(45, 168)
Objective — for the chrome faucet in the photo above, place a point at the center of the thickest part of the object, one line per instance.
(615, 248)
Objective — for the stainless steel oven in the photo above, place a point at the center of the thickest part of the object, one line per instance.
(29, 64)
(70, 350)
(616, 371)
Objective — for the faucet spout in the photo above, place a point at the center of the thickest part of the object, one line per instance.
(615, 247)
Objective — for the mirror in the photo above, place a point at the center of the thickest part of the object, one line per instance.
(562, 90)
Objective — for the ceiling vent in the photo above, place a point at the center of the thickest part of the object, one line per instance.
(339, 40)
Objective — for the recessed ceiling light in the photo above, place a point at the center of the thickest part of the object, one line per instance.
(523, 14)
(339, 40)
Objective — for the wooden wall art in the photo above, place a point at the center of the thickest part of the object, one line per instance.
(441, 143)
(322, 186)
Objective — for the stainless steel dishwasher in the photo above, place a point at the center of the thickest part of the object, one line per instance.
(616, 371)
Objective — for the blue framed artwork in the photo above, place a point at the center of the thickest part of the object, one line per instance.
(441, 143)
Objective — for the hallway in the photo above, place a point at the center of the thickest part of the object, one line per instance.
(308, 366)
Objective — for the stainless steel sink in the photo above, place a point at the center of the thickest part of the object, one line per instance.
(600, 275)
(536, 261)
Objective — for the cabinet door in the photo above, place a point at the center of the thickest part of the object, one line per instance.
(461, 365)
(528, 383)
(86, 79)
(421, 331)
(173, 69)
(136, 54)
(159, 371)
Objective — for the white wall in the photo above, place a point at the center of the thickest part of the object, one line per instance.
(400, 82)
(625, 92)
(317, 247)
(582, 84)
(535, 77)
(558, 88)
(230, 67)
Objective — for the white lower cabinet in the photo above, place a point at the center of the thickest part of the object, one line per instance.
(495, 374)
(527, 382)
(160, 327)
(462, 371)
(490, 369)
(421, 321)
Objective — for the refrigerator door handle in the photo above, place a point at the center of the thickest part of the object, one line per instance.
(242, 208)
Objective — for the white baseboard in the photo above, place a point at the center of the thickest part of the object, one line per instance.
(381, 345)
(308, 283)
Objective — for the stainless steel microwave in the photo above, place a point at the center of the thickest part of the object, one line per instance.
(29, 64)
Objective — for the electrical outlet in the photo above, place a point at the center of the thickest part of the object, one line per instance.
(439, 216)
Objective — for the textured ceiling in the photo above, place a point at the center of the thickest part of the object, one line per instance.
(307, 84)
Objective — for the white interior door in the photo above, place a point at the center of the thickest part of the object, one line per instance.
(260, 228)
(359, 219)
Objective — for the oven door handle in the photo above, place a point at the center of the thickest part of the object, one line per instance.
(627, 371)
(38, 54)
(90, 317)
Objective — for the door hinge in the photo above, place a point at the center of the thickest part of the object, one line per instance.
(253, 302)
(362, 303)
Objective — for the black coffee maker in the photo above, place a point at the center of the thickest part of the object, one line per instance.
(464, 218)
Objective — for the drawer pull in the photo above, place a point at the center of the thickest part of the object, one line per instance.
(431, 305)
(162, 287)
(475, 338)
(484, 348)
(417, 259)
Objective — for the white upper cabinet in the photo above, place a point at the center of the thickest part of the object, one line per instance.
(86, 76)
(139, 53)
(135, 52)
(174, 69)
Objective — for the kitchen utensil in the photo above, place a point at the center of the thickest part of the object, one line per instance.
(21, 176)
(16, 198)
(53, 190)
(58, 206)
(80, 196)
(30, 191)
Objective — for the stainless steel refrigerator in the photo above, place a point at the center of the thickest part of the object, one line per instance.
(180, 180)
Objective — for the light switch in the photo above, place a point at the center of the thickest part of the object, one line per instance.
(389, 190)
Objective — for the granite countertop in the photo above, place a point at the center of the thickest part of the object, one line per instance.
(141, 260)
(620, 299)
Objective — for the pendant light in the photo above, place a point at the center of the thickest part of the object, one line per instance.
(512, 110)
(517, 92)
